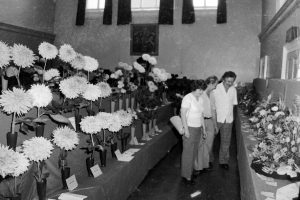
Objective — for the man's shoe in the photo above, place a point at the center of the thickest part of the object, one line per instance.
(224, 166)
(188, 182)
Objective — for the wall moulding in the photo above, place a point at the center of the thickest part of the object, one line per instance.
(27, 31)
(286, 10)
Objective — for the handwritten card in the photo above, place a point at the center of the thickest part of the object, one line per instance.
(96, 171)
(135, 141)
(72, 182)
(71, 196)
(118, 154)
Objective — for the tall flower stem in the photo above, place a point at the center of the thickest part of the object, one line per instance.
(88, 76)
(18, 77)
(15, 186)
(13, 123)
(44, 70)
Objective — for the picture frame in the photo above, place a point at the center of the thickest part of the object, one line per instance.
(144, 39)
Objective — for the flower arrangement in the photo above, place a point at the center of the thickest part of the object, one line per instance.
(65, 138)
(38, 149)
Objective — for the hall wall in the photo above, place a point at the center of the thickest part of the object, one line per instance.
(197, 50)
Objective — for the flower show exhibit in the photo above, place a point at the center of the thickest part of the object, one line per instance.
(268, 137)
(69, 125)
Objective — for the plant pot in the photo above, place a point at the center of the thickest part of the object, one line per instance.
(17, 197)
(89, 163)
(65, 173)
(132, 135)
(41, 187)
(112, 106)
(11, 140)
(120, 103)
(113, 148)
(39, 130)
(127, 103)
(102, 154)
(132, 103)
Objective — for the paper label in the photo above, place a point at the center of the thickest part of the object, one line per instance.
(72, 182)
(267, 194)
(271, 183)
(71, 196)
(96, 171)
(195, 194)
(135, 141)
(118, 154)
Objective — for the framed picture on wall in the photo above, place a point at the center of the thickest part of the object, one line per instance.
(144, 39)
(263, 67)
(290, 60)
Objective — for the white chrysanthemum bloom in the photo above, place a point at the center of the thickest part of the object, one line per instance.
(123, 91)
(78, 62)
(138, 67)
(105, 119)
(65, 138)
(128, 67)
(274, 108)
(72, 87)
(120, 84)
(121, 64)
(41, 95)
(16, 101)
(90, 125)
(118, 72)
(116, 126)
(146, 57)
(6, 161)
(105, 89)
(156, 70)
(50, 74)
(153, 88)
(67, 53)
(22, 164)
(150, 83)
(22, 56)
(4, 54)
(113, 76)
(92, 92)
(47, 50)
(152, 61)
(125, 117)
(91, 64)
(37, 148)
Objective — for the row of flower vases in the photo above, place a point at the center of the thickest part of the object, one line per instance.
(129, 103)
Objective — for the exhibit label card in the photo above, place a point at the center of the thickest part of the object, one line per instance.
(72, 182)
(118, 154)
(96, 171)
(72, 120)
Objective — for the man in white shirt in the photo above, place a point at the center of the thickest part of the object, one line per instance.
(223, 99)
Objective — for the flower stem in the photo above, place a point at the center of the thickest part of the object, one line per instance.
(18, 77)
(13, 123)
(91, 106)
(44, 70)
(38, 112)
(88, 77)
(15, 186)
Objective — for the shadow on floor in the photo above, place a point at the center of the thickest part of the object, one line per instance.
(163, 182)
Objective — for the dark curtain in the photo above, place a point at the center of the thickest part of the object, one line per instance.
(124, 12)
(222, 12)
(188, 13)
(166, 10)
(80, 12)
(107, 14)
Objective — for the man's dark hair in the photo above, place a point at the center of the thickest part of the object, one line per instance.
(198, 84)
(229, 74)
(211, 80)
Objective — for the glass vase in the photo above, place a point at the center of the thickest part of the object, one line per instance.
(78, 118)
(65, 173)
(89, 163)
(113, 148)
(102, 154)
(120, 103)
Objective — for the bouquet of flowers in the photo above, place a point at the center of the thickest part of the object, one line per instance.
(248, 99)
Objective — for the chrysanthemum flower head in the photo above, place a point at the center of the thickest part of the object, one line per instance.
(16, 101)
(47, 50)
(91, 64)
(4, 54)
(92, 92)
(105, 119)
(105, 89)
(65, 138)
(152, 61)
(117, 125)
(37, 148)
(21, 164)
(22, 55)
(78, 62)
(146, 57)
(90, 125)
(41, 95)
(67, 53)
(72, 87)
(125, 117)
(6, 161)
(50, 74)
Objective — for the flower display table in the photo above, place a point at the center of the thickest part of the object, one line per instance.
(251, 185)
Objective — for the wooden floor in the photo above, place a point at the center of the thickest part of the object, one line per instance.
(164, 182)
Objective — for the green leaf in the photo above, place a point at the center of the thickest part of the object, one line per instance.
(40, 120)
(24, 129)
(60, 118)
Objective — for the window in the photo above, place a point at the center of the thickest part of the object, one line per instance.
(290, 60)
(145, 4)
(95, 4)
(205, 4)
